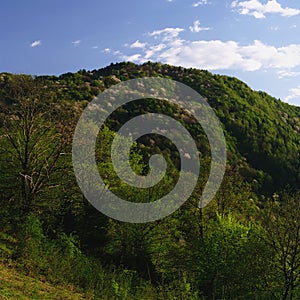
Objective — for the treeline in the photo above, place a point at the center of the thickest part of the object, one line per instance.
(244, 245)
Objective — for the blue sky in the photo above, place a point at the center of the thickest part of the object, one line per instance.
(257, 41)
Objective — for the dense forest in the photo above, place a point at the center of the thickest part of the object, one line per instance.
(245, 244)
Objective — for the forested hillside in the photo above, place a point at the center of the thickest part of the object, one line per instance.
(244, 245)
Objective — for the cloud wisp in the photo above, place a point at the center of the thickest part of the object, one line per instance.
(198, 3)
(137, 44)
(107, 50)
(167, 34)
(259, 10)
(197, 28)
(36, 44)
(286, 73)
(294, 93)
(76, 43)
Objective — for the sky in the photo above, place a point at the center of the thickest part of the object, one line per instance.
(257, 41)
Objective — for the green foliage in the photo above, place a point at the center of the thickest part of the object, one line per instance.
(282, 235)
(234, 261)
(7, 246)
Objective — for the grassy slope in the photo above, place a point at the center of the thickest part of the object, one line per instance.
(14, 285)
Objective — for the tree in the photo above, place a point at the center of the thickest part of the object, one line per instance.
(30, 144)
(282, 235)
(229, 261)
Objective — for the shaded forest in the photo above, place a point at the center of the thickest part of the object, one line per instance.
(244, 245)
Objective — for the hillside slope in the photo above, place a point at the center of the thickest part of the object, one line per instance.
(262, 132)
(14, 285)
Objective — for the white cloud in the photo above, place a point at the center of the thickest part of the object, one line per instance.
(134, 58)
(211, 55)
(154, 49)
(285, 73)
(196, 27)
(36, 44)
(76, 43)
(202, 2)
(107, 50)
(168, 34)
(137, 44)
(293, 94)
(258, 10)
(287, 57)
(168, 47)
(217, 55)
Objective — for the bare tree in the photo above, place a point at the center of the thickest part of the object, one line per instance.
(30, 143)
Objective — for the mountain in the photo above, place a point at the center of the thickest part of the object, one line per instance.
(262, 133)
(244, 245)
